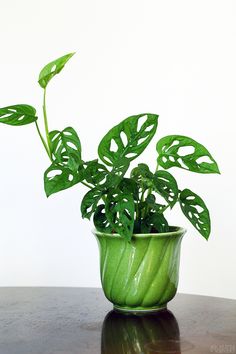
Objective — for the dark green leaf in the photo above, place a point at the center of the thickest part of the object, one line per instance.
(95, 172)
(142, 174)
(119, 209)
(166, 185)
(118, 171)
(66, 147)
(128, 185)
(20, 114)
(90, 202)
(58, 177)
(128, 138)
(100, 220)
(154, 222)
(53, 68)
(196, 211)
(181, 151)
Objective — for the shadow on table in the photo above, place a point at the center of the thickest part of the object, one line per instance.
(141, 334)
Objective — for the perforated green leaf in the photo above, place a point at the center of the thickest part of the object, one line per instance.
(66, 147)
(89, 202)
(181, 151)
(100, 220)
(58, 177)
(20, 114)
(119, 208)
(95, 172)
(196, 212)
(129, 138)
(154, 222)
(52, 68)
(166, 185)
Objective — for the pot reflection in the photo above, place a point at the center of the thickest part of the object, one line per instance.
(140, 334)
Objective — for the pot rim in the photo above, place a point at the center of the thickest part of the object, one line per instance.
(177, 231)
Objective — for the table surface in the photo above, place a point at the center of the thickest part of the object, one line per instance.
(81, 321)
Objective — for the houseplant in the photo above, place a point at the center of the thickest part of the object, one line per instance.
(139, 251)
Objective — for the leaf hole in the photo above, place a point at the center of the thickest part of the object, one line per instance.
(53, 68)
(199, 209)
(72, 145)
(186, 150)
(205, 159)
(53, 173)
(141, 122)
(113, 146)
(70, 177)
(149, 128)
(164, 159)
(124, 138)
(131, 155)
(182, 164)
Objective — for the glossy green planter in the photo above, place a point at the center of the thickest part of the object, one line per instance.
(141, 275)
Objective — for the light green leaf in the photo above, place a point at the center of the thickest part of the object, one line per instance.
(20, 114)
(181, 151)
(119, 208)
(52, 69)
(129, 138)
(196, 212)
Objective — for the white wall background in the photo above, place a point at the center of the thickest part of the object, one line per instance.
(173, 58)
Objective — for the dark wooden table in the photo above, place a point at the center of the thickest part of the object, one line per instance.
(81, 321)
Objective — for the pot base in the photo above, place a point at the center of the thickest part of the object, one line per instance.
(140, 309)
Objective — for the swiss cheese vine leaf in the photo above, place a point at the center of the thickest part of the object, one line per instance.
(129, 138)
(154, 222)
(59, 177)
(20, 114)
(100, 220)
(196, 212)
(66, 147)
(119, 208)
(89, 202)
(181, 151)
(52, 68)
(166, 185)
(95, 172)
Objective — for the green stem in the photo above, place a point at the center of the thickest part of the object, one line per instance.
(46, 123)
(87, 185)
(43, 141)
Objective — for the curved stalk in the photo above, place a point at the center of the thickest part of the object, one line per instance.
(46, 123)
(43, 141)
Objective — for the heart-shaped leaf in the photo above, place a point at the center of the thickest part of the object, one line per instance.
(20, 114)
(66, 147)
(52, 68)
(89, 202)
(59, 177)
(100, 220)
(196, 212)
(119, 210)
(129, 138)
(181, 151)
(166, 185)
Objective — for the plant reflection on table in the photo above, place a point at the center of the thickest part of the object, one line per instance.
(140, 334)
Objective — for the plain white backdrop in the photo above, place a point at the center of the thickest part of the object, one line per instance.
(173, 58)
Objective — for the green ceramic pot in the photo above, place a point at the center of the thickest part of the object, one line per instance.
(141, 275)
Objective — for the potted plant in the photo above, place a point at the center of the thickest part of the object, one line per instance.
(139, 250)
